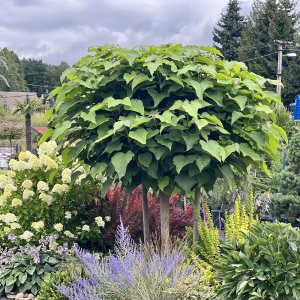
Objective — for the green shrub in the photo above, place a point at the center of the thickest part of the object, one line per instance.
(48, 289)
(265, 266)
(22, 268)
(40, 196)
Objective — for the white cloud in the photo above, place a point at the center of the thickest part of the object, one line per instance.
(56, 30)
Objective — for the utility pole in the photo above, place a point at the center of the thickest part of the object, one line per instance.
(279, 65)
(280, 44)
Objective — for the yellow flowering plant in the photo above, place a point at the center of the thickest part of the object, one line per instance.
(39, 196)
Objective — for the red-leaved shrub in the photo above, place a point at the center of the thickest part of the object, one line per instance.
(128, 207)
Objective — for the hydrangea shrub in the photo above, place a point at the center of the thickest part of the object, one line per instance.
(39, 196)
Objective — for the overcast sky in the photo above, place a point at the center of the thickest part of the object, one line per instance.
(56, 30)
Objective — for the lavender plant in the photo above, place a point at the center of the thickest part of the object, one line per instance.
(23, 267)
(132, 272)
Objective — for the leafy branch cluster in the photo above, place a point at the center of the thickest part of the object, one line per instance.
(170, 117)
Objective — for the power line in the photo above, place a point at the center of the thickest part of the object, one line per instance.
(258, 57)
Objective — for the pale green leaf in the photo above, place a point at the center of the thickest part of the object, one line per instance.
(120, 162)
(138, 80)
(139, 135)
(213, 148)
(202, 162)
(212, 119)
(163, 182)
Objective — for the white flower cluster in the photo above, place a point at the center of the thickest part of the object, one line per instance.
(42, 186)
(48, 162)
(27, 235)
(27, 184)
(58, 227)
(99, 221)
(68, 215)
(27, 194)
(4, 180)
(85, 228)
(66, 175)
(37, 226)
(8, 218)
(46, 198)
(60, 188)
(47, 148)
(69, 234)
(15, 202)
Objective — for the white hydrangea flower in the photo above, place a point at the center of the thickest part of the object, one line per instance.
(68, 215)
(69, 234)
(3, 181)
(43, 186)
(60, 188)
(47, 148)
(107, 218)
(14, 165)
(15, 226)
(27, 194)
(58, 227)
(48, 162)
(8, 218)
(11, 174)
(25, 155)
(99, 221)
(37, 226)
(46, 198)
(66, 175)
(16, 202)
(23, 165)
(9, 188)
(27, 184)
(35, 162)
(85, 228)
(53, 245)
(27, 235)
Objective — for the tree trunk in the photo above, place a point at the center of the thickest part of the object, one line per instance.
(164, 222)
(196, 212)
(145, 215)
(28, 131)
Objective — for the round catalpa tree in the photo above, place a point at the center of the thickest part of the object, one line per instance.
(170, 117)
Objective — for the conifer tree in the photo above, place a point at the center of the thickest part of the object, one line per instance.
(269, 21)
(286, 204)
(227, 33)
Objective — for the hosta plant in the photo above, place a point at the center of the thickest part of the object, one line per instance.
(265, 266)
(22, 268)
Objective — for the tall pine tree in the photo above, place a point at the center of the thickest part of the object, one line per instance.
(269, 20)
(227, 33)
(13, 72)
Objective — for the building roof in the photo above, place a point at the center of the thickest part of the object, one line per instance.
(10, 99)
(40, 129)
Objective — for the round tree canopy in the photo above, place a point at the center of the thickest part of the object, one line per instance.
(170, 117)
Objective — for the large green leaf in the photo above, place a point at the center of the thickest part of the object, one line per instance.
(163, 183)
(202, 162)
(120, 162)
(145, 159)
(180, 161)
(139, 135)
(213, 148)
(139, 79)
(185, 183)
(199, 86)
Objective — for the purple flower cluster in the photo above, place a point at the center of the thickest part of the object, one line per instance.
(131, 270)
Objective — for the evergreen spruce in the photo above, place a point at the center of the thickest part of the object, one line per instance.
(286, 204)
(227, 33)
(269, 21)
